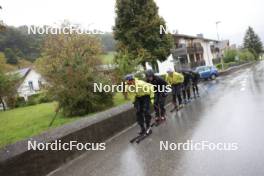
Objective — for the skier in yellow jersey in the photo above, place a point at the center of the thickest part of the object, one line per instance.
(175, 79)
(143, 93)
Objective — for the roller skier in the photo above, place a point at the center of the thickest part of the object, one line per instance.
(175, 79)
(186, 86)
(195, 77)
(160, 89)
(142, 92)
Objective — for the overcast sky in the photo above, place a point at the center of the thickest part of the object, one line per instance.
(187, 16)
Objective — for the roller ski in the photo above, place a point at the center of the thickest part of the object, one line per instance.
(140, 134)
(187, 101)
(177, 108)
(144, 136)
(158, 121)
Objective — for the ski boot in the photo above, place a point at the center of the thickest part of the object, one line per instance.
(148, 131)
(142, 131)
(163, 118)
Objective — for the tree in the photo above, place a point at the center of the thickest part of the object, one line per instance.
(125, 64)
(7, 86)
(2, 61)
(11, 56)
(70, 65)
(108, 42)
(137, 30)
(252, 42)
(22, 44)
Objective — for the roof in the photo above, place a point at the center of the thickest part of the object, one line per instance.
(194, 37)
(21, 72)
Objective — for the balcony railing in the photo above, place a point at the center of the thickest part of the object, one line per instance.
(192, 50)
(186, 50)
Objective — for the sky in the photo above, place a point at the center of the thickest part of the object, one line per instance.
(189, 17)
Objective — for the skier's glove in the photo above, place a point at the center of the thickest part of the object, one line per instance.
(152, 100)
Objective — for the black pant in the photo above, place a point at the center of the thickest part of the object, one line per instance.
(159, 103)
(195, 88)
(142, 105)
(186, 91)
(176, 92)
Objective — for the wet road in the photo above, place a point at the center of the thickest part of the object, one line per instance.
(231, 110)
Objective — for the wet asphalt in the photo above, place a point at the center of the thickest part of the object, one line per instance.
(230, 111)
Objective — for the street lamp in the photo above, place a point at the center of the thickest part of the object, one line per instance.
(216, 23)
(218, 37)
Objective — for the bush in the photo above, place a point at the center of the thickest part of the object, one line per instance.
(219, 66)
(44, 98)
(230, 55)
(11, 102)
(20, 102)
(246, 55)
(38, 99)
(216, 61)
(32, 100)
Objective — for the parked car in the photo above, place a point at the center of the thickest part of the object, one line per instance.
(207, 72)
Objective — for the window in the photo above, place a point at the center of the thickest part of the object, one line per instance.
(30, 84)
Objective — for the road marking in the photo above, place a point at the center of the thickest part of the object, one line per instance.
(242, 89)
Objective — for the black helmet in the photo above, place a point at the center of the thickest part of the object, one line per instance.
(149, 73)
(129, 77)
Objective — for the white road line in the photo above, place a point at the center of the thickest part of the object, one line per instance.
(242, 89)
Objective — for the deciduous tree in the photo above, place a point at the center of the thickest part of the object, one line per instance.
(70, 64)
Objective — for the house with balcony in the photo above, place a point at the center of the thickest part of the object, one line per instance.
(192, 51)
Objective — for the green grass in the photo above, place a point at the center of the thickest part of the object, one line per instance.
(119, 99)
(20, 123)
(24, 122)
(108, 58)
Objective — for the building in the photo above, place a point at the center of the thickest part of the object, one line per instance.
(31, 82)
(192, 51)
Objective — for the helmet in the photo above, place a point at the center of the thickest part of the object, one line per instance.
(149, 73)
(129, 77)
(170, 70)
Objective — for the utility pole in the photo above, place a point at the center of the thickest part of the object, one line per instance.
(216, 23)
(218, 38)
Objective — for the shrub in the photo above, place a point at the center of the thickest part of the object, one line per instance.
(216, 61)
(246, 55)
(230, 55)
(32, 100)
(219, 66)
(44, 98)
(20, 102)
(11, 101)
